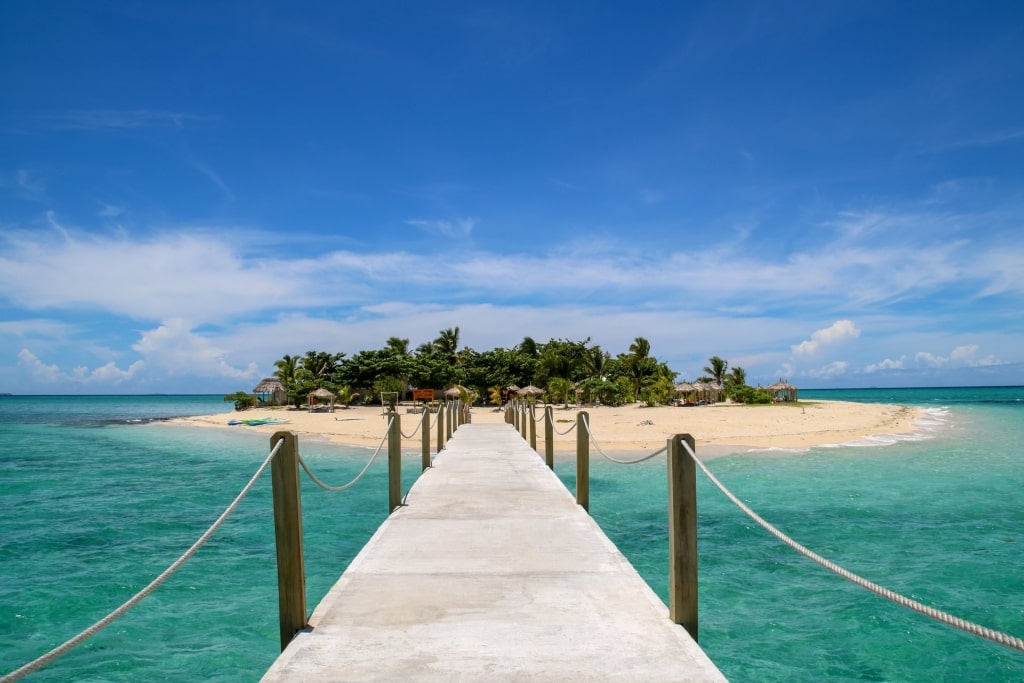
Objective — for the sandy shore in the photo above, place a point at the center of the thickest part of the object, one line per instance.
(626, 428)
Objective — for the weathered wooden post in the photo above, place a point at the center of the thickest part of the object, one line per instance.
(425, 426)
(448, 421)
(549, 437)
(533, 428)
(682, 534)
(291, 573)
(440, 427)
(394, 462)
(583, 461)
(524, 417)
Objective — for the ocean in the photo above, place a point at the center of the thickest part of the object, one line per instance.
(99, 495)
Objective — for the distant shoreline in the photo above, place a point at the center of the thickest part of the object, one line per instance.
(633, 428)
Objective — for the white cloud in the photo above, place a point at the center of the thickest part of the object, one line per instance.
(838, 331)
(177, 350)
(108, 374)
(887, 364)
(961, 356)
(830, 371)
(45, 373)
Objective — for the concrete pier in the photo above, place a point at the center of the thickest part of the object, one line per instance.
(491, 572)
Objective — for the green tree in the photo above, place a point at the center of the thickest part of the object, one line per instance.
(736, 379)
(716, 369)
(242, 400)
(638, 365)
(345, 396)
(561, 389)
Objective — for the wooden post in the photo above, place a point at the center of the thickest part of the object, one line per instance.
(291, 573)
(533, 428)
(515, 415)
(523, 418)
(425, 426)
(582, 461)
(682, 534)
(549, 437)
(394, 462)
(448, 422)
(440, 427)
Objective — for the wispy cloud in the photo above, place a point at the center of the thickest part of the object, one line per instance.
(462, 227)
(118, 119)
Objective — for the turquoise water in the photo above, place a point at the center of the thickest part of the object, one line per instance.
(96, 505)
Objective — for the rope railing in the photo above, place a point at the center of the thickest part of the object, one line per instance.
(359, 476)
(881, 591)
(64, 648)
(567, 431)
(593, 440)
(416, 431)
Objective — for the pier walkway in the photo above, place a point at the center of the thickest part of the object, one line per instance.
(491, 572)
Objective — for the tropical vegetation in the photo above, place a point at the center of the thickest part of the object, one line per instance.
(566, 371)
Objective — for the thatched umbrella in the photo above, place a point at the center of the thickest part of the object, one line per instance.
(530, 391)
(322, 394)
(453, 392)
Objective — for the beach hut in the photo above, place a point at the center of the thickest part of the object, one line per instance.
(685, 388)
(783, 391)
(321, 399)
(271, 392)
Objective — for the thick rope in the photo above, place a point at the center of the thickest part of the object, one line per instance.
(359, 476)
(931, 612)
(566, 431)
(415, 431)
(60, 650)
(593, 439)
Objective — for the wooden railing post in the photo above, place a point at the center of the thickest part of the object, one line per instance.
(440, 427)
(682, 534)
(425, 426)
(549, 437)
(533, 428)
(582, 461)
(523, 418)
(448, 421)
(394, 462)
(291, 573)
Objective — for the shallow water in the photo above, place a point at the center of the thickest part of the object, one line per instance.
(96, 506)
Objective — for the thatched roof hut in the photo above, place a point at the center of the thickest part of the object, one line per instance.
(270, 391)
(783, 390)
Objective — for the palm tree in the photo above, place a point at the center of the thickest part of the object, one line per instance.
(735, 380)
(716, 368)
(638, 364)
(345, 396)
(286, 368)
(397, 346)
(447, 344)
(640, 348)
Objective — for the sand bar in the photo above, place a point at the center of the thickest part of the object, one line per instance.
(632, 428)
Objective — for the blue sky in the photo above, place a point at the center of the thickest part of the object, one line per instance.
(831, 192)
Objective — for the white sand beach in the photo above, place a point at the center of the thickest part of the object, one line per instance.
(624, 428)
